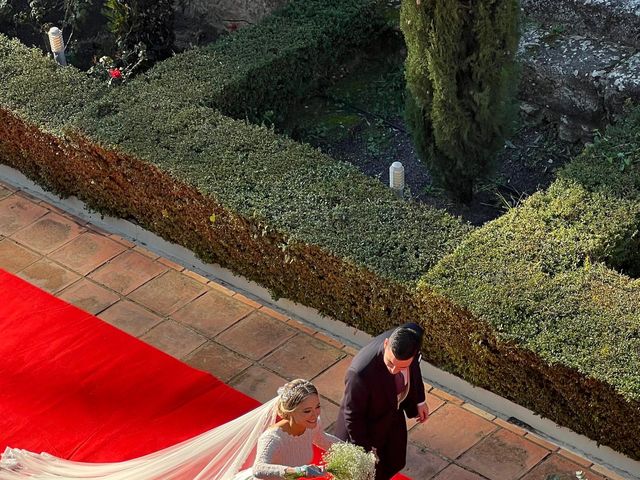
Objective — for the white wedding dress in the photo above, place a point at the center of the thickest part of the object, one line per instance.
(219, 454)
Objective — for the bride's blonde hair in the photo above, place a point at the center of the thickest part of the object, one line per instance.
(293, 394)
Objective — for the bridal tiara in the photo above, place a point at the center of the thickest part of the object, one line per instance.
(296, 390)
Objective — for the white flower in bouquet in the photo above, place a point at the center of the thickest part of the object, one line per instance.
(346, 461)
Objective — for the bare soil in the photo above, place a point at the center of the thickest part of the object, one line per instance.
(360, 120)
(527, 164)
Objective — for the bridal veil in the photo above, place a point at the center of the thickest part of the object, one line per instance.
(217, 454)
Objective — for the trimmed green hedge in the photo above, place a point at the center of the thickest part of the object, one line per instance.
(507, 273)
(266, 178)
(41, 92)
(291, 187)
(261, 70)
(536, 277)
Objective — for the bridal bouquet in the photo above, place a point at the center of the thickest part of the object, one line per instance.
(346, 461)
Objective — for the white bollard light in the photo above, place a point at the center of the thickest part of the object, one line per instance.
(396, 178)
(57, 45)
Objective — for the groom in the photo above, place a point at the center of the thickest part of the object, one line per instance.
(381, 385)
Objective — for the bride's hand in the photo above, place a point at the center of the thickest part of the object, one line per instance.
(375, 454)
(309, 471)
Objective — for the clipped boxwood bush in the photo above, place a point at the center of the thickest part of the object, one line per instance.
(40, 91)
(568, 324)
(290, 186)
(259, 71)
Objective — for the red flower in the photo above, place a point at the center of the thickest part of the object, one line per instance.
(115, 73)
(232, 27)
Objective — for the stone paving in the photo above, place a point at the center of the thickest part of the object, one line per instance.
(248, 345)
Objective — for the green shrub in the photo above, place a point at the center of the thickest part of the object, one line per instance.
(611, 166)
(259, 71)
(461, 78)
(562, 230)
(536, 277)
(39, 89)
(290, 186)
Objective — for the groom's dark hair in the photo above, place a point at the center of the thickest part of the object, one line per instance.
(405, 341)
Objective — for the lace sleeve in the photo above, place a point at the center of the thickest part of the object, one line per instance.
(267, 450)
(323, 439)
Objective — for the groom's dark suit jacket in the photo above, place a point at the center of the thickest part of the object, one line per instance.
(369, 414)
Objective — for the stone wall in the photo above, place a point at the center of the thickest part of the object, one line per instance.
(200, 22)
(246, 10)
(580, 62)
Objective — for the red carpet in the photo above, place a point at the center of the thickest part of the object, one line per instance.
(78, 388)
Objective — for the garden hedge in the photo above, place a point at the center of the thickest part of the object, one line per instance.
(302, 224)
(568, 324)
(260, 70)
(555, 278)
(611, 166)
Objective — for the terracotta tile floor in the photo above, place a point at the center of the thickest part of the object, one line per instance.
(248, 345)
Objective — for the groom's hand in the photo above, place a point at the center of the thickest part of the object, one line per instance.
(423, 413)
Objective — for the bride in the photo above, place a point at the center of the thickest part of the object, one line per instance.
(276, 449)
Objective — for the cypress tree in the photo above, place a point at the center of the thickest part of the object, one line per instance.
(461, 79)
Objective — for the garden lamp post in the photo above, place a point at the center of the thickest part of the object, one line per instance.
(57, 45)
(396, 178)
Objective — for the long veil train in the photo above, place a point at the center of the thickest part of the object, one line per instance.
(217, 454)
